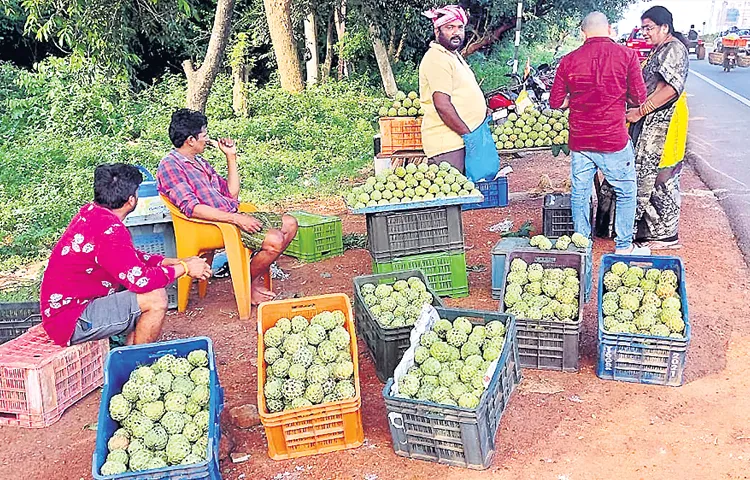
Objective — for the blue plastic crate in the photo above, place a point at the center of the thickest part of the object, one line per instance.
(159, 239)
(119, 364)
(495, 194)
(637, 358)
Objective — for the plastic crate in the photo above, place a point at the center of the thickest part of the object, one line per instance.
(318, 237)
(392, 235)
(495, 194)
(400, 133)
(16, 318)
(124, 360)
(640, 358)
(445, 271)
(520, 244)
(386, 345)
(453, 435)
(435, 202)
(39, 380)
(545, 344)
(323, 428)
(159, 239)
(557, 216)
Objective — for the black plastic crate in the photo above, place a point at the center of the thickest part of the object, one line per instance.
(16, 318)
(386, 345)
(557, 215)
(398, 234)
(453, 435)
(545, 344)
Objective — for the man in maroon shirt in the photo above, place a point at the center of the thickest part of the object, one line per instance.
(95, 258)
(597, 81)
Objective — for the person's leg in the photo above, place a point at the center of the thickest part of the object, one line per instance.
(153, 307)
(288, 229)
(455, 158)
(619, 170)
(582, 171)
(271, 248)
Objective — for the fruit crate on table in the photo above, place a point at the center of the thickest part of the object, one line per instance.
(39, 380)
(159, 239)
(400, 133)
(386, 345)
(457, 436)
(445, 271)
(495, 194)
(318, 237)
(638, 358)
(546, 344)
(16, 318)
(120, 363)
(392, 235)
(323, 428)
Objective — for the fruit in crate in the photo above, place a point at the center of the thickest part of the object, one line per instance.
(532, 129)
(534, 292)
(398, 304)
(411, 184)
(402, 105)
(642, 302)
(307, 362)
(162, 413)
(451, 361)
(562, 243)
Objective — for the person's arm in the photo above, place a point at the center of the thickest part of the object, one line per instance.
(229, 148)
(636, 94)
(558, 97)
(663, 94)
(448, 113)
(246, 222)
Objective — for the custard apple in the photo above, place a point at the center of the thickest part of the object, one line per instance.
(200, 395)
(175, 402)
(119, 407)
(293, 389)
(198, 358)
(178, 447)
(345, 390)
(201, 420)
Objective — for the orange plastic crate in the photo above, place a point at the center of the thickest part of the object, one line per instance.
(39, 380)
(321, 428)
(734, 42)
(400, 133)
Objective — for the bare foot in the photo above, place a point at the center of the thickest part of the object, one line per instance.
(260, 294)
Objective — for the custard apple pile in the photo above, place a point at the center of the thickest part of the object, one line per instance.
(562, 243)
(536, 293)
(643, 302)
(162, 413)
(402, 105)
(451, 361)
(412, 183)
(308, 362)
(532, 129)
(398, 304)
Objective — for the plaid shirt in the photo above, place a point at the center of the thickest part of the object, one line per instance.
(188, 183)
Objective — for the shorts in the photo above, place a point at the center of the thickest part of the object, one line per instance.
(106, 317)
(268, 220)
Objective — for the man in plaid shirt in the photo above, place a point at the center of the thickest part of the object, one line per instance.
(192, 184)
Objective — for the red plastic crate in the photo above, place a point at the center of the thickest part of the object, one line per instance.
(39, 380)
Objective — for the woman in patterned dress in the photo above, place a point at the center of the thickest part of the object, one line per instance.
(665, 72)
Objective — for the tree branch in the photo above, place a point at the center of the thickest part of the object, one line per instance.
(487, 39)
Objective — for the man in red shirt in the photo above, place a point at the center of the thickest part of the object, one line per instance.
(597, 81)
(95, 257)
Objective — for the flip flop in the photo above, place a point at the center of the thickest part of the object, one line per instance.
(659, 245)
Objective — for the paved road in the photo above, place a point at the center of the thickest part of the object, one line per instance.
(719, 139)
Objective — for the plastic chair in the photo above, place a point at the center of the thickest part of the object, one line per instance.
(194, 237)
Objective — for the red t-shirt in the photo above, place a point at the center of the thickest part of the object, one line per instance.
(601, 78)
(94, 256)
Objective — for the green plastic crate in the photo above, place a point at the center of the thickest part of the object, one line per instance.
(318, 237)
(446, 271)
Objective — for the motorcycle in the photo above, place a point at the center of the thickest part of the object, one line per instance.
(538, 84)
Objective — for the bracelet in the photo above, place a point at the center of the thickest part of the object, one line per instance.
(646, 108)
(184, 265)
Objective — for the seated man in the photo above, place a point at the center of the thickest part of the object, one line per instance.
(193, 186)
(80, 301)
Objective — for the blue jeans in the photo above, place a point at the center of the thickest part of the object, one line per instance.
(619, 170)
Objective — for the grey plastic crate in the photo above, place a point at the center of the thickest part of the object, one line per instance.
(398, 234)
(16, 318)
(545, 344)
(157, 238)
(453, 435)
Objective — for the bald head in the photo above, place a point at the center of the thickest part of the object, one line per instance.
(595, 25)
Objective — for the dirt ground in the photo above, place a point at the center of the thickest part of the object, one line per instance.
(557, 426)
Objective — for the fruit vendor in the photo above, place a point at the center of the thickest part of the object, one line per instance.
(192, 184)
(454, 105)
(596, 82)
(82, 295)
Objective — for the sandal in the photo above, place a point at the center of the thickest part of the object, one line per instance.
(659, 245)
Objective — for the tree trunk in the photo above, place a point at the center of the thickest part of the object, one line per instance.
(200, 81)
(239, 96)
(278, 15)
(340, 19)
(487, 39)
(384, 64)
(326, 73)
(311, 48)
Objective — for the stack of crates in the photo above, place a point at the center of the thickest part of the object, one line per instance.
(427, 239)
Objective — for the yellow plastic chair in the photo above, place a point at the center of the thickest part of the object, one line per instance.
(195, 237)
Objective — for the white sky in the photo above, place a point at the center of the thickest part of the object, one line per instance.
(685, 13)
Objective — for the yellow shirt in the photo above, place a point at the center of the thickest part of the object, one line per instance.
(444, 71)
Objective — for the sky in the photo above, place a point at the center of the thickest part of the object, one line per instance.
(685, 13)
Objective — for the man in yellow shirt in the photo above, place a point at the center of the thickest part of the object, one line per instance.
(453, 103)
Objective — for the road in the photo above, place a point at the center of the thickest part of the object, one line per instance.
(718, 146)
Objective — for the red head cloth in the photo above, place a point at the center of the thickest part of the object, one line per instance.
(445, 15)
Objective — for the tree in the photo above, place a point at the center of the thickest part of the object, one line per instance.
(384, 63)
(278, 15)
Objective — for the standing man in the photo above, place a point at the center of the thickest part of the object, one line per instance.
(596, 82)
(692, 34)
(454, 104)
